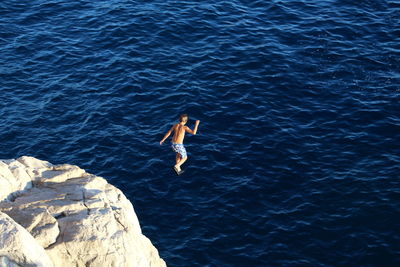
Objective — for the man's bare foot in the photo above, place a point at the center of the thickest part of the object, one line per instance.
(177, 171)
(177, 168)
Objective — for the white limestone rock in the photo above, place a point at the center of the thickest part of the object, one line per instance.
(18, 247)
(38, 221)
(77, 218)
(34, 163)
(13, 179)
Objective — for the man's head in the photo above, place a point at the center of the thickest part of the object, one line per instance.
(183, 118)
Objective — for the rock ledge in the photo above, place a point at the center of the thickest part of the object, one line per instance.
(59, 215)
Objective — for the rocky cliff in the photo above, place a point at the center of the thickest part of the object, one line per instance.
(59, 215)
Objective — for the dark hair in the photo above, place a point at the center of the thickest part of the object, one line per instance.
(183, 116)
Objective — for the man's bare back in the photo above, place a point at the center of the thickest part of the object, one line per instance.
(179, 133)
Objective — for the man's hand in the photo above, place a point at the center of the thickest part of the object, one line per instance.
(197, 122)
(161, 142)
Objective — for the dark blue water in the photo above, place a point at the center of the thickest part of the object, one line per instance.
(296, 162)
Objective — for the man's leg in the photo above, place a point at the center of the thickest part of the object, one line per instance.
(182, 152)
(177, 160)
(180, 162)
(181, 157)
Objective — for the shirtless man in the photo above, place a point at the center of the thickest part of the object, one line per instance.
(179, 130)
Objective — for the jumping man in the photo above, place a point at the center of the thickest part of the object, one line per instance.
(179, 130)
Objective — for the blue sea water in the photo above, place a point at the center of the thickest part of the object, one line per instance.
(296, 162)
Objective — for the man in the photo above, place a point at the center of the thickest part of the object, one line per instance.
(179, 130)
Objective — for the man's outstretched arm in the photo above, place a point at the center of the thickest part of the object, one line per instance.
(167, 135)
(194, 131)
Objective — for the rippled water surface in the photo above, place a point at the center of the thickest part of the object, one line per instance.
(296, 162)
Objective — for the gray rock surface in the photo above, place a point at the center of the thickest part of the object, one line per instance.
(18, 247)
(75, 218)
